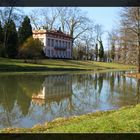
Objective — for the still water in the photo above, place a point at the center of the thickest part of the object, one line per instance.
(27, 100)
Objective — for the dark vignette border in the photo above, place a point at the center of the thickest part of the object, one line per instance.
(81, 3)
(85, 136)
(41, 3)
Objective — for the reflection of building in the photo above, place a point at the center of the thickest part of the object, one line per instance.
(56, 43)
(55, 88)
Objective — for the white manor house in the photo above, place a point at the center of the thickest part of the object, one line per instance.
(56, 43)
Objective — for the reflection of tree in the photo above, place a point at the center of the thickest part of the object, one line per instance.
(28, 86)
(112, 80)
(138, 90)
(124, 84)
(14, 94)
(95, 81)
(8, 91)
(118, 80)
(87, 93)
(100, 83)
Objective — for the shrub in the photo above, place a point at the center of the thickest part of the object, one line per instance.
(31, 49)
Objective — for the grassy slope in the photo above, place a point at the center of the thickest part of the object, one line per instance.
(48, 64)
(122, 120)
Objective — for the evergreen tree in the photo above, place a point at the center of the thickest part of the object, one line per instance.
(113, 52)
(25, 30)
(1, 41)
(101, 51)
(1, 34)
(96, 51)
(11, 39)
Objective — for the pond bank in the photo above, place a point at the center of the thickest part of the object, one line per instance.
(125, 119)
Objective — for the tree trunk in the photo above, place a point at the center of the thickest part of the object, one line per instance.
(138, 53)
(139, 60)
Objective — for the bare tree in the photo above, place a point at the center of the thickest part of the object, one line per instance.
(77, 23)
(131, 19)
(47, 17)
(63, 16)
(35, 19)
(112, 37)
(50, 16)
(74, 21)
(98, 29)
(88, 40)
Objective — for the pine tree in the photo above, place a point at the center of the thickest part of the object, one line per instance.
(25, 30)
(1, 34)
(96, 51)
(12, 39)
(101, 51)
(1, 41)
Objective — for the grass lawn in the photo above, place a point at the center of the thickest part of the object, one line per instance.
(123, 120)
(50, 64)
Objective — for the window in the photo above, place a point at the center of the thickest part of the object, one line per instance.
(64, 43)
(69, 45)
(52, 43)
(48, 42)
(52, 53)
(59, 42)
(56, 42)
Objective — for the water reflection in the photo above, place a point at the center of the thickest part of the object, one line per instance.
(29, 100)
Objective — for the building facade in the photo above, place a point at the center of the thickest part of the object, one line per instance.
(56, 43)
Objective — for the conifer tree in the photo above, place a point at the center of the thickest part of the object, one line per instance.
(1, 40)
(25, 30)
(12, 39)
(1, 34)
(101, 51)
(96, 51)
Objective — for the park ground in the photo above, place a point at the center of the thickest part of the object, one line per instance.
(18, 65)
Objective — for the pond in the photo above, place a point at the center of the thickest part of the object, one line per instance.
(27, 100)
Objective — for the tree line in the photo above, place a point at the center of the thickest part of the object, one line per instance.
(125, 38)
(16, 39)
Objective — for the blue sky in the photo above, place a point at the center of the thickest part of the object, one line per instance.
(106, 16)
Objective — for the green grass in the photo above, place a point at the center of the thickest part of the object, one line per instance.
(126, 119)
(49, 64)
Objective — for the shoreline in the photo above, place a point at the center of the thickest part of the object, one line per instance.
(100, 118)
(133, 75)
(53, 72)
